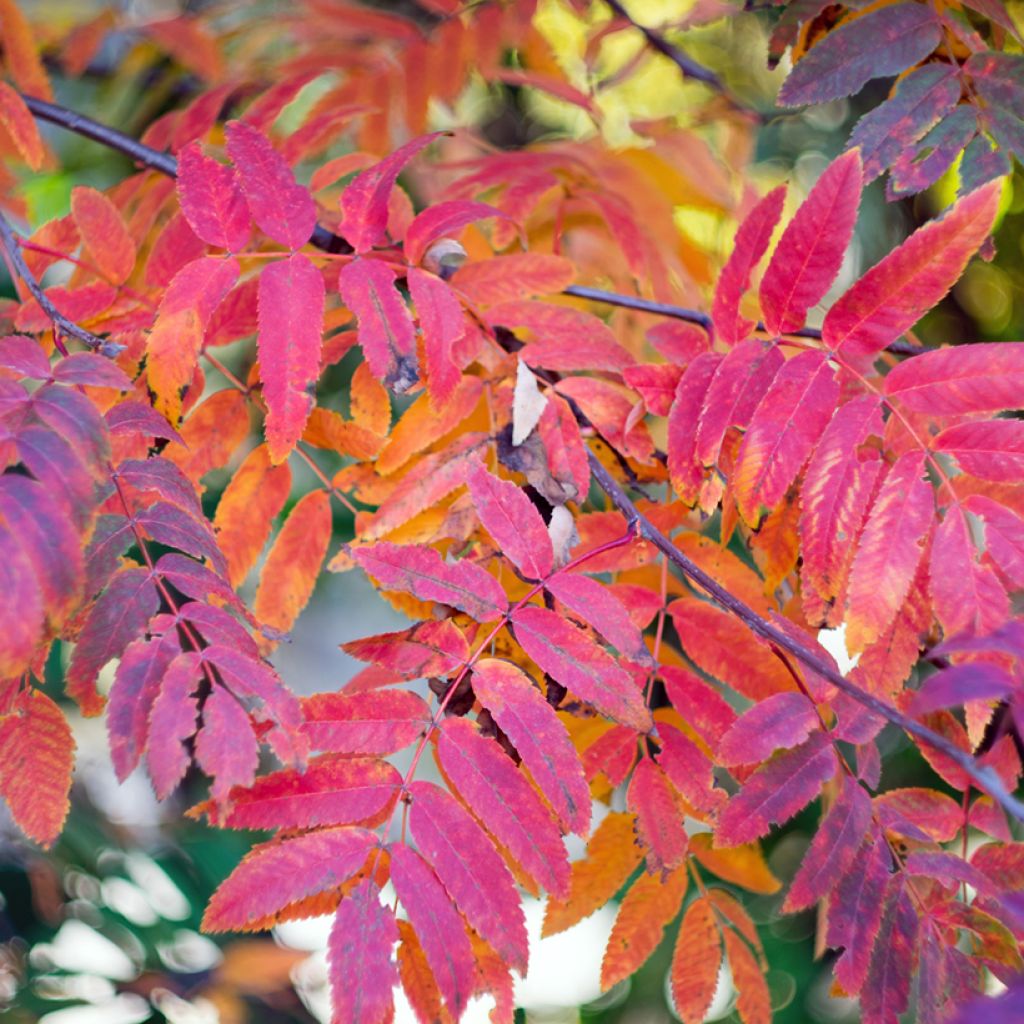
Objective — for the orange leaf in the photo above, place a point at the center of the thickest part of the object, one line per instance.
(696, 962)
(290, 572)
(104, 233)
(21, 126)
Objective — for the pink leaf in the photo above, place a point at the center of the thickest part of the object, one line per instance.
(440, 220)
(291, 321)
(990, 449)
(386, 331)
(364, 723)
(226, 748)
(172, 722)
(659, 818)
(513, 522)
(812, 247)
(781, 720)
(443, 323)
(211, 200)
(281, 207)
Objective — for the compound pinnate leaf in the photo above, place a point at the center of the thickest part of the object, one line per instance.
(333, 790)
(513, 522)
(880, 43)
(470, 868)
(507, 805)
(890, 549)
(645, 911)
(293, 564)
(539, 737)
(437, 923)
(211, 200)
(751, 244)
(364, 723)
(811, 250)
(777, 790)
(576, 661)
(280, 206)
(277, 873)
(360, 965)
(893, 295)
(386, 331)
(291, 321)
(420, 571)
(364, 203)
(696, 962)
(781, 720)
(37, 754)
(833, 847)
(103, 233)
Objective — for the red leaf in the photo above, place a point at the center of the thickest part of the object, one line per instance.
(881, 43)
(281, 207)
(835, 497)
(990, 449)
(471, 869)
(739, 384)
(37, 754)
(443, 324)
(440, 220)
(966, 595)
(921, 814)
(856, 911)
(781, 720)
(136, 684)
(983, 377)
(700, 704)
(890, 549)
(293, 564)
(812, 247)
(783, 431)
(104, 233)
(432, 648)
(333, 790)
(684, 418)
(574, 660)
(211, 200)
(540, 739)
(118, 617)
(386, 331)
(275, 874)
(507, 805)
(364, 203)
(832, 849)
(174, 344)
(438, 926)
(361, 970)
(659, 818)
(695, 962)
(365, 723)
(226, 748)
(172, 723)
(894, 294)
(291, 323)
(598, 606)
(513, 522)
(21, 127)
(751, 243)
(777, 790)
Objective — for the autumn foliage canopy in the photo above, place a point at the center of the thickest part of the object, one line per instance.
(616, 473)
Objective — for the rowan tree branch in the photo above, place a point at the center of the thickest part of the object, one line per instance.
(983, 776)
(327, 241)
(9, 241)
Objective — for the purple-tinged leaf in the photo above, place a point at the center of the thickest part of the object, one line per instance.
(378, 722)
(163, 477)
(923, 164)
(226, 748)
(955, 686)
(783, 720)
(886, 990)
(172, 723)
(169, 524)
(92, 369)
